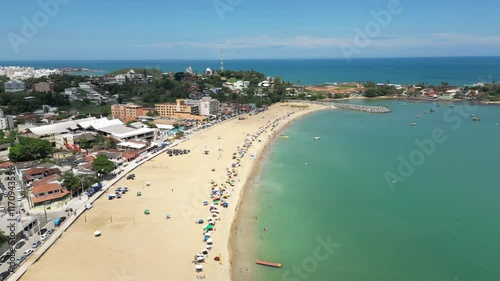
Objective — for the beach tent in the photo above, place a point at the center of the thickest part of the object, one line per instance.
(199, 267)
(210, 241)
(208, 227)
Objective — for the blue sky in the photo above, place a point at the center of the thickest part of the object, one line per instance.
(247, 29)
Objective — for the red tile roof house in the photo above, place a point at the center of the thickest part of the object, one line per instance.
(38, 173)
(48, 193)
(46, 180)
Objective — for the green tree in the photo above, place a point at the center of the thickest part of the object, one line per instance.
(29, 149)
(71, 182)
(102, 164)
(370, 93)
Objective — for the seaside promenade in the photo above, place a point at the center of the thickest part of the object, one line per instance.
(151, 247)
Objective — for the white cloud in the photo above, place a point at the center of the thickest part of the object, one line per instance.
(309, 42)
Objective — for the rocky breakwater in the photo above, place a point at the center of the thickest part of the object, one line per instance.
(364, 108)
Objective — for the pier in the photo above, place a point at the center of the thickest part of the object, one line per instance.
(267, 263)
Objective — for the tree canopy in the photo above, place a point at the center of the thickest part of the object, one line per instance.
(29, 149)
(103, 164)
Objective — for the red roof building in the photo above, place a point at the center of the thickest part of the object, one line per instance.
(48, 193)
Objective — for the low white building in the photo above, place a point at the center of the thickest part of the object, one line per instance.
(120, 79)
(450, 94)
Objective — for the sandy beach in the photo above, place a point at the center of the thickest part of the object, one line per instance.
(136, 246)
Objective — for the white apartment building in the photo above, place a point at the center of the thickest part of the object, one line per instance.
(207, 106)
(14, 86)
(120, 79)
(6, 122)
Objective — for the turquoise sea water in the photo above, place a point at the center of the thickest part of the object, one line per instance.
(440, 224)
(455, 70)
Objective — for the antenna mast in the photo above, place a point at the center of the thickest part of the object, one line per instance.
(221, 60)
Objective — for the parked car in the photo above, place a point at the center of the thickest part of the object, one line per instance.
(2, 208)
(42, 231)
(20, 244)
(28, 252)
(19, 260)
(4, 275)
(36, 244)
(88, 206)
(59, 221)
(50, 231)
(5, 257)
(44, 236)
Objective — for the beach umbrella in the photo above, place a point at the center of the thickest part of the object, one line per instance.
(210, 241)
(200, 259)
(199, 255)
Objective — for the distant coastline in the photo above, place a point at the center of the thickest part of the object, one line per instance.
(458, 71)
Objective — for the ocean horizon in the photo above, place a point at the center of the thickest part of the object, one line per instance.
(457, 71)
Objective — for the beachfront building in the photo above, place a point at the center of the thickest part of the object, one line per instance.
(103, 126)
(48, 193)
(128, 112)
(179, 110)
(450, 94)
(120, 79)
(207, 106)
(45, 87)
(14, 86)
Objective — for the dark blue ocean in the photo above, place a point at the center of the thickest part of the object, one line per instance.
(457, 71)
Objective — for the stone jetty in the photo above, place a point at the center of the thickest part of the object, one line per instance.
(356, 107)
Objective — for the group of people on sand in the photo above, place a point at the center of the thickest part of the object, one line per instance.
(219, 193)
